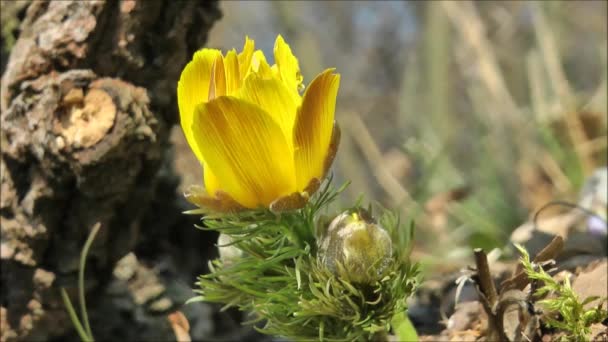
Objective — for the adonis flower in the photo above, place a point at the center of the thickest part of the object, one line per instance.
(262, 142)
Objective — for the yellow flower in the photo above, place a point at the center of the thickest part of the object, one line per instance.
(261, 143)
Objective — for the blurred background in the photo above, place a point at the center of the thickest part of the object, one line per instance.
(466, 117)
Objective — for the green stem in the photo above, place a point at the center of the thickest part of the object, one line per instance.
(81, 287)
(403, 328)
(74, 317)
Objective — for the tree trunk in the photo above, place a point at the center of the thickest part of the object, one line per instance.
(88, 101)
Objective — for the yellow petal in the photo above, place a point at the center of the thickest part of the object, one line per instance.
(275, 71)
(334, 142)
(212, 184)
(246, 150)
(273, 97)
(259, 65)
(217, 84)
(245, 57)
(231, 66)
(313, 127)
(192, 89)
(287, 63)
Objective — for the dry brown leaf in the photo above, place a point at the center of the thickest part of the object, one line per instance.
(180, 326)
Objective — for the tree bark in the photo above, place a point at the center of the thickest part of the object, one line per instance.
(88, 101)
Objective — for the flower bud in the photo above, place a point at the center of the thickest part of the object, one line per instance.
(355, 248)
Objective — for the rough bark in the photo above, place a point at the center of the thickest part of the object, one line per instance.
(88, 100)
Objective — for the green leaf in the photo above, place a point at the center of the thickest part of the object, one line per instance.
(403, 328)
(589, 300)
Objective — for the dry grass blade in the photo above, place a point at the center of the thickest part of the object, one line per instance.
(466, 20)
(364, 139)
(560, 84)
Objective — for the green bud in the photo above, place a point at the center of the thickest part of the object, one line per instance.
(356, 248)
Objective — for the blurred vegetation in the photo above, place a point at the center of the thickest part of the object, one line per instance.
(468, 116)
(11, 12)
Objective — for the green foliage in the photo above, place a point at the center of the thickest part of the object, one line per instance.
(277, 276)
(574, 318)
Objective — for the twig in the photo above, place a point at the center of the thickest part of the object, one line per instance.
(487, 294)
(551, 250)
(520, 279)
(486, 283)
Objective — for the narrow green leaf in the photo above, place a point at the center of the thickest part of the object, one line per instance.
(73, 317)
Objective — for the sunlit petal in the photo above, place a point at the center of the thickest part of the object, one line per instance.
(231, 67)
(192, 89)
(246, 149)
(272, 96)
(245, 57)
(260, 65)
(212, 184)
(314, 126)
(334, 142)
(287, 64)
(217, 83)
